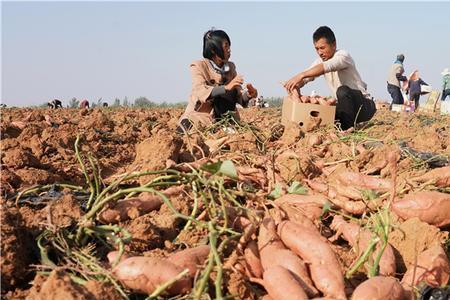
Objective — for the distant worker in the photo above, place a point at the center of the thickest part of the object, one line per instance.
(84, 104)
(54, 104)
(445, 84)
(414, 88)
(105, 104)
(216, 86)
(393, 81)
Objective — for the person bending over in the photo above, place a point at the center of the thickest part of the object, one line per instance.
(354, 103)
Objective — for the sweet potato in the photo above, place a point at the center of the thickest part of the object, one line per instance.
(353, 207)
(134, 207)
(365, 181)
(379, 288)
(432, 267)
(301, 199)
(272, 257)
(298, 213)
(439, 175)
(359, 239)
(112, 256)
(253, 260)
(191, 259)
(429, 206)
(274, 253)
(314, 249)
(128, 208)
(268, 235)
(281, 284)
(144, 274)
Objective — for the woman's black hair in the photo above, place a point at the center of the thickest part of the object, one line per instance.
(324, 32)
(212, 43)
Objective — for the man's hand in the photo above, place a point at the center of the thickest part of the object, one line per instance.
(251, 91)
(294, 82)
(234, 83)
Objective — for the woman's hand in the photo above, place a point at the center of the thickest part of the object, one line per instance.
(294, 82)
(237, 81)
(251, 91)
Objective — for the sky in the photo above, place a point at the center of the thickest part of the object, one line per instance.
(108, 50)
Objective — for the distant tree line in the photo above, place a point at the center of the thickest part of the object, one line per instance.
(144, 102)
(138, 102)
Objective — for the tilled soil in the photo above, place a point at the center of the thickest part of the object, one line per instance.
(37, 148)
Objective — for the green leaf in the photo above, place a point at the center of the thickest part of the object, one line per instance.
(297, 188)
(276, 193)
(226, 168)
(369, 195)
(326, 208)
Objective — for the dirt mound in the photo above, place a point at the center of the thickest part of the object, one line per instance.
(152, 153)
(16, 249)
(411, 238)
(59, 286)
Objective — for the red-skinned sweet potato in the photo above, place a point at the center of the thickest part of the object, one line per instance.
(301, 199)
(429, 206)
(129, 208)
(364, 181)
(441, 176)
(432, 267)
(274, 253)
(281, 284)
(253, 260)
(314, 249)
(191, 259)
(144, 274)
(379, 288)
(359, 239)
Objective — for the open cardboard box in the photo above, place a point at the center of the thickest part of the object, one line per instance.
(303, 113)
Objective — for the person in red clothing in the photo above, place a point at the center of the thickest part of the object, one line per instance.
(84, 104)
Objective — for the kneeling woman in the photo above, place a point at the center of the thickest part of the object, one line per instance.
(216, 87)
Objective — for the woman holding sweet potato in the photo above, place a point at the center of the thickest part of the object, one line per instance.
(216, 86)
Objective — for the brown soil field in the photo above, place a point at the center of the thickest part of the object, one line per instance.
(65, 207)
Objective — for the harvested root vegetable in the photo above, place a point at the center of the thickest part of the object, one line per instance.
(311, 211)
(379, 288)
(312, 247)
(253, 260)
(274, 253)
(268, 235)
(441, 176)
(273, 257)
(359, 239)
(365, 181)
(135, 207)
(281, 284)
(112, 256)
(432, 268)
(144, 274)
(191, 259)
(301, 199)
(129, 209)
(353, 207)
(429, 206)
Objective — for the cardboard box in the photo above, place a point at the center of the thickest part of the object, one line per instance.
(303, 113)
(403, 108)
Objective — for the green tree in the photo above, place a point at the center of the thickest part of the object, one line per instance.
(74, 103)
(116, 102)
(143, 102)
(125, 102)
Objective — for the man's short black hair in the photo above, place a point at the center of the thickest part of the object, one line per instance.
(324, 32)
(212, 43)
